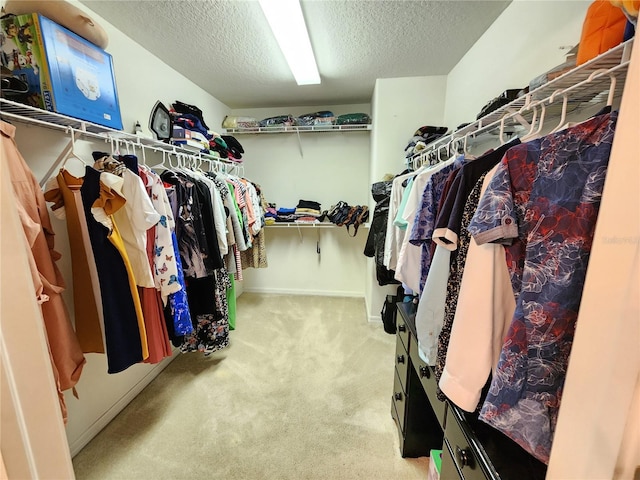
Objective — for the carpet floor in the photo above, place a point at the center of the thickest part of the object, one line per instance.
(303, 392)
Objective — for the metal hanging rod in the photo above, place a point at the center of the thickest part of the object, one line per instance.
(598, 80)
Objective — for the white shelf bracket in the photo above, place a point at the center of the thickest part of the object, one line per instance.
(300, 143)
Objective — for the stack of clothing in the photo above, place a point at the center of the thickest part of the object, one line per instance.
(284, 215)
(421, 138)
(308, 211)
(270, 215)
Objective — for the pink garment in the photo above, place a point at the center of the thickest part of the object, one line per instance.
(65, 349)
(483, 315)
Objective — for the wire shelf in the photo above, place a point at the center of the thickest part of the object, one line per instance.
(585, 86)
(35, 116)
(299, 129)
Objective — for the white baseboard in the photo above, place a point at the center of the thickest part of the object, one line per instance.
(290, 291)
(375, 319)
(117, 407)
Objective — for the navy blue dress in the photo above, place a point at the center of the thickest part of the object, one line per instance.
(122, 335)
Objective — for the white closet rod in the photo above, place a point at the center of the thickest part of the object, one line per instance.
(587, 79)
(451, 139)
(87, 130)
(195, 160)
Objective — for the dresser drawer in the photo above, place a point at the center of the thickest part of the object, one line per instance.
(448, 469)
(461, 451)
(399, 400)
(402, 363)
(403, 330)
(428, 381)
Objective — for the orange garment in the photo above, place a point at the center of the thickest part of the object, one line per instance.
(86, 287)
(603, 29)
(65, 349)
(153, 310)
(630, 7)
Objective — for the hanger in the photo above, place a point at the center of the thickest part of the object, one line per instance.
(563, 115)
(72, 155)
(162, 163)
(612, 90)
(531, 135)
(142, 155)
(534, 106)
(465, 148)
(501, 136)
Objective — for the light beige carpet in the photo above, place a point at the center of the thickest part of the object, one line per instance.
(303, 392)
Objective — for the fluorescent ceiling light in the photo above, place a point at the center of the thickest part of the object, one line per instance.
(286, 20)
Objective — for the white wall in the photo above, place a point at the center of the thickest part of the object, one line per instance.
(332, 166)
(400, 107)
(522, 43)
(141, 80)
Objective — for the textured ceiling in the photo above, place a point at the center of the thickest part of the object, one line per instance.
(226, 47)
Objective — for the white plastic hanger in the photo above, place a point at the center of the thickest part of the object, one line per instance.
(162, 163)
(72, 155)
(563, 115)
(535, 132)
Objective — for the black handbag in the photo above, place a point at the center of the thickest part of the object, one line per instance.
(389, 310)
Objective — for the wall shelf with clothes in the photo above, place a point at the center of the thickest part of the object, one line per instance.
(298, 129)
(77, 129)
(301, 129)
(593, 83)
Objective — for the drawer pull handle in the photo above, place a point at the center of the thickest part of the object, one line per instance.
(400, 358)
(424, 372)
(464, 458)
(402, 327)
(398, 397)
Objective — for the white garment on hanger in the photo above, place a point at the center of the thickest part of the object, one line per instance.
(409, 266)
(133, 220)
(394, 235)
(165, 267)
(430, 313)
(483, 314)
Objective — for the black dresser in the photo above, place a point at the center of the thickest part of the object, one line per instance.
(470, 449)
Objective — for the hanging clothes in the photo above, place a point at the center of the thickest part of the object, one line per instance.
(414, 258)
(394, 236)
(190, 231)
(374, 247)
(153, 311)
(66, 353)
(483, 313)
(177, 313)
(137, 216)
(256, 256)
(542, 204)
(121, 314)
(63, 191)
(164, 259)
(456, 271)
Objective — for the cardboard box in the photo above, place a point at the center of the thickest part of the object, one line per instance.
(65, 73)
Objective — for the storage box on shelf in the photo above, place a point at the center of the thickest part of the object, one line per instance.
(65, 73)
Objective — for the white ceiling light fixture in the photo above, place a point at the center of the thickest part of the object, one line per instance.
(288, 26)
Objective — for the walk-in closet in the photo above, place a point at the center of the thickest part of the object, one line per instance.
(416, 256)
